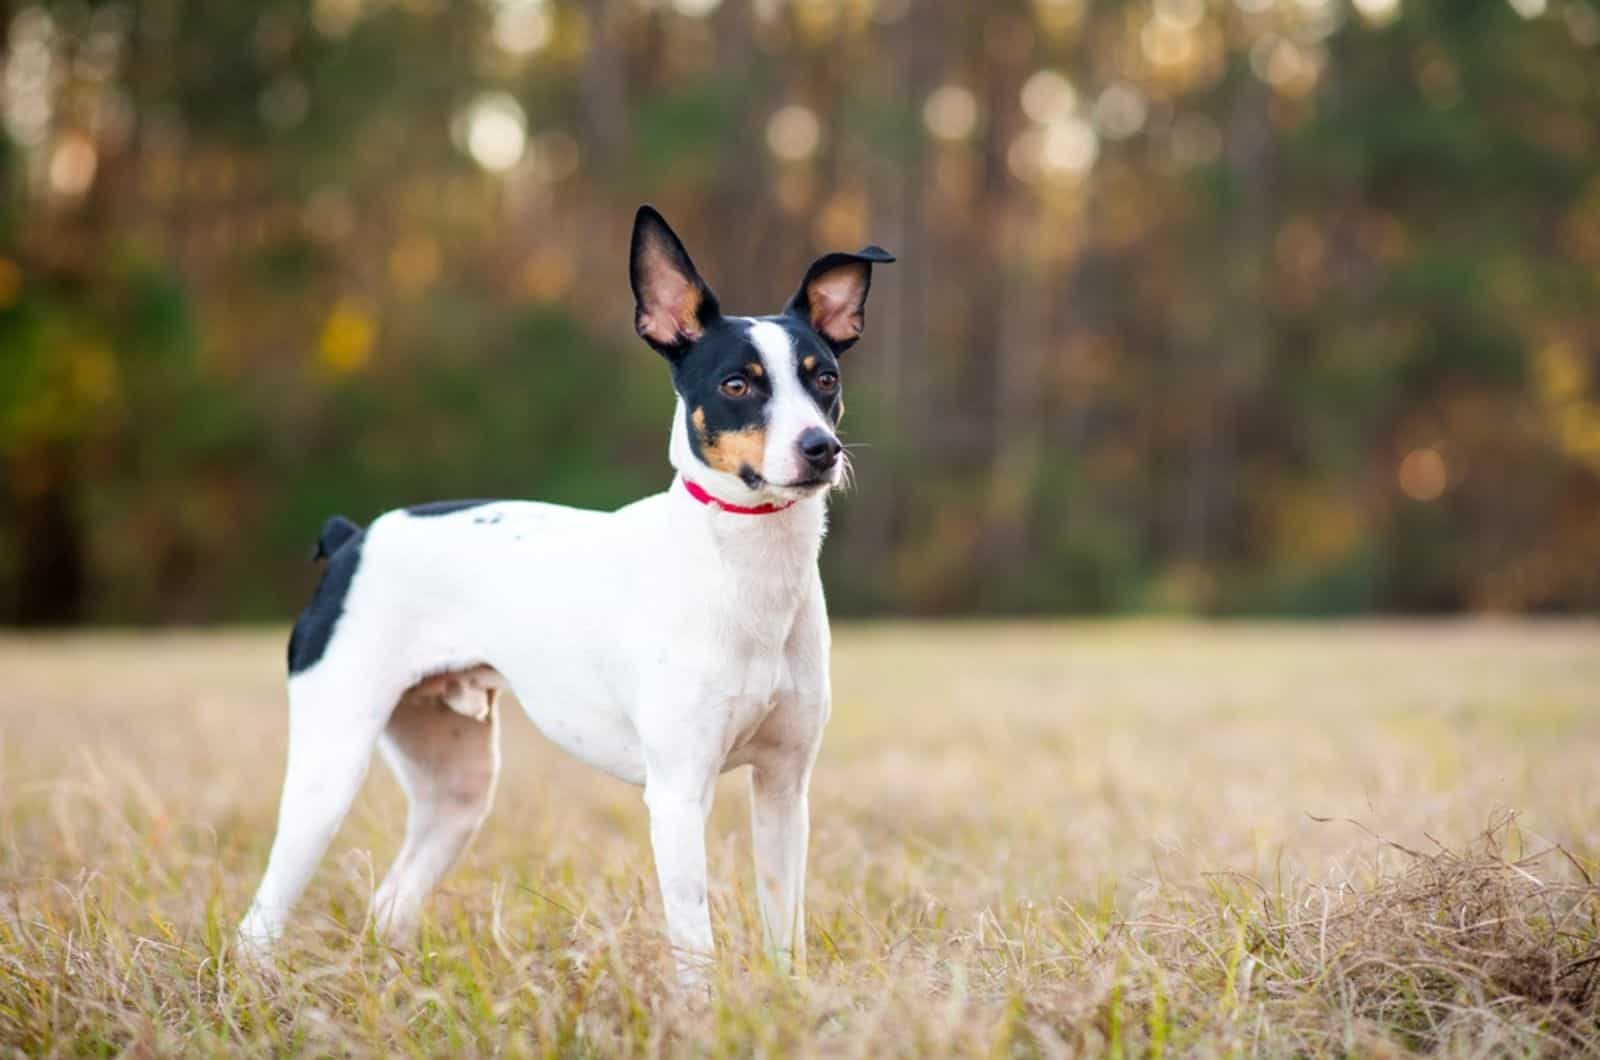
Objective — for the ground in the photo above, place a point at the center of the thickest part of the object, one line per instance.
(1028, 839)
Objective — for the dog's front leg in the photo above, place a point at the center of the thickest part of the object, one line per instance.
(679, 802)
(780, 826)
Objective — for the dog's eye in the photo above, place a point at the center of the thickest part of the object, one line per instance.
(735, 386)
(827, 382)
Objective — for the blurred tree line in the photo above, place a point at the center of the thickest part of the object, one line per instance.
(1207, 305)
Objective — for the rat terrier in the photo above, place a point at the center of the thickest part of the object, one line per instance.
(664, 643)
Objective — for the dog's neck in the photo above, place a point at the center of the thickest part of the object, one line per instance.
(762, 567)
(768, 560)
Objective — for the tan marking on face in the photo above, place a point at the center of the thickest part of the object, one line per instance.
(810, 362)
(755, 369)
(735, 450)
(730, 451)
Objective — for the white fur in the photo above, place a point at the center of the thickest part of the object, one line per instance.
(663, 643)
(791, 409)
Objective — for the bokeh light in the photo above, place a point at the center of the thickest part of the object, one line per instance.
(794, 132)
(1069, 147)
(1182, 15)
(1423, 474)
(1120, 111)
(695, 8)
(1378, 12)
(1048, 96)
(522, 27)
(951, 112)
(72, 165)
(1164, 44)
(31, 77)
(494, 131)
(335, 18)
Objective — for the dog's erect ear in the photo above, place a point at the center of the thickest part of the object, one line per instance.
(672, 304)
(833, 296)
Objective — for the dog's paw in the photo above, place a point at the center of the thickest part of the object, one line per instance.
(252, 952)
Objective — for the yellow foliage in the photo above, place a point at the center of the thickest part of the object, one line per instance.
(1313, 523)
(94, 375)
(348, 337)
(1563, 375)
(1563, 380)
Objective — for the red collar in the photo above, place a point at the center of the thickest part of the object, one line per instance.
(703, 497)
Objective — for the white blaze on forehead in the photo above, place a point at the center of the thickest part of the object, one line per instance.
(789, 399)
(791, 411)
(777, 350)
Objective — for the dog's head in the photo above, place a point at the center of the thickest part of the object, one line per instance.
(759, 397)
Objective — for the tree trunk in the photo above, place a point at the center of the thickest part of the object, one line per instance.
(50, 547)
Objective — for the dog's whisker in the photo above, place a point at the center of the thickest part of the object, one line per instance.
(847, 473)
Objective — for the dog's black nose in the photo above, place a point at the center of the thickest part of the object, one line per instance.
(820, 448)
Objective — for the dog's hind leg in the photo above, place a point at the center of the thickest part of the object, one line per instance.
(443, 745)
(334, 720)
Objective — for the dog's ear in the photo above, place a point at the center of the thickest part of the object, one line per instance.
(672, 304)
(833, 296)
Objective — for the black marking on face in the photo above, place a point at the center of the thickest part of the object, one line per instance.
(817, 366)
(314, 628)
(727, 423)
(445, 507)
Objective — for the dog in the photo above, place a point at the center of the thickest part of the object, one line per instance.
(665, 643)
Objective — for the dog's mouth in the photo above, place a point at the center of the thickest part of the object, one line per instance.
(800, 488)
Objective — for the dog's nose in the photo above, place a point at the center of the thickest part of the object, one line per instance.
(820, 448)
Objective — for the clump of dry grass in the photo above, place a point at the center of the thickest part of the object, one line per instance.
(1458, 945)
(1028, 841)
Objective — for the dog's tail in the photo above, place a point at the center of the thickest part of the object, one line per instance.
(335, 532)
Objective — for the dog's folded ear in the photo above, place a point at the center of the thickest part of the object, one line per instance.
(672, 304)
(833, 296)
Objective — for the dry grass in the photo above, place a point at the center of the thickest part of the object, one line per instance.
(1028, 840)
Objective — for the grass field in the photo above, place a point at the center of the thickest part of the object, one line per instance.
(1028, 840)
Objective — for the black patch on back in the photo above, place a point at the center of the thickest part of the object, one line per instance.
(445, 507)
(314, 628)
(335, 532)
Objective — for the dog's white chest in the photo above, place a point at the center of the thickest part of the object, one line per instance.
(767, 683)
